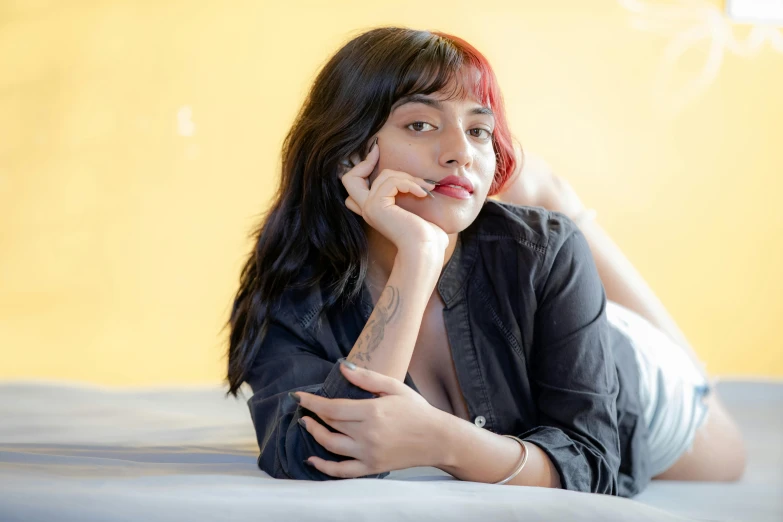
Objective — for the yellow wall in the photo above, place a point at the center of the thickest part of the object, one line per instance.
(140, 140)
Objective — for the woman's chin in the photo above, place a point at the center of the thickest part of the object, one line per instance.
(451, 221)
(449, 224)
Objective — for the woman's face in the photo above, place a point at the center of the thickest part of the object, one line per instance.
(429, 137)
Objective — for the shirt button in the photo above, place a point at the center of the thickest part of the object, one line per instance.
(480, 421)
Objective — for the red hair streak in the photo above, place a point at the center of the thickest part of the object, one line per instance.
(487, 90)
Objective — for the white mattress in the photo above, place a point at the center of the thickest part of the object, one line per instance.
(70, 451)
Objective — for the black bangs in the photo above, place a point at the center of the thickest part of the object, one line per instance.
(440, 65)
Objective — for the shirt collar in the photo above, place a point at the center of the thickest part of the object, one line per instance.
(455, 273)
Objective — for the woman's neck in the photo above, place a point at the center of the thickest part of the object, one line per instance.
(382, 253)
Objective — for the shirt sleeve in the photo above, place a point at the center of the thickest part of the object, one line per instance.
(288, 363)
(574, 373)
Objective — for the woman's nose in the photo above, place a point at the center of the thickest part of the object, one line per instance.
(455, 148)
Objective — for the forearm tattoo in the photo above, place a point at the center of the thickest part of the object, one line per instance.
(372, 335)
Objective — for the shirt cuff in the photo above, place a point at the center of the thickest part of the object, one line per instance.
(336, 386)
(576, 471)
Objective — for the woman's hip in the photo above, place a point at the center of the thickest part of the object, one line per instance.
(672, 388)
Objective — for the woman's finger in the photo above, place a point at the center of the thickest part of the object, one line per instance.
(339, 409)
(345, 469)
(335, 442)
(351, 204)
(372, 381)
(364, 167)
(398, 174)
(355, 180)
(392, 186)
(389, 173)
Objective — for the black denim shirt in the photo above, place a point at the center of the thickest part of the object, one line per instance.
(525, 315)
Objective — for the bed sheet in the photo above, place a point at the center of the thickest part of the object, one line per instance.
(73, 451)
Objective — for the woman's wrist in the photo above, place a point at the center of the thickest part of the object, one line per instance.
(442, 454)
(422, 262)
(470, 453)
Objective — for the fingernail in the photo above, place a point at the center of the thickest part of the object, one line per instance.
(295, 397)
(309, 463)
(428, 191)
(302, 422)
(347, 364)
(374, 142)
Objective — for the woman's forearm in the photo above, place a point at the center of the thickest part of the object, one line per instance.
(386, 343)
(468, 452)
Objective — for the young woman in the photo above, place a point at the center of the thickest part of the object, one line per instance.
(421, 323)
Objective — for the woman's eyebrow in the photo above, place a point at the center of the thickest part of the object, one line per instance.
(437, 104)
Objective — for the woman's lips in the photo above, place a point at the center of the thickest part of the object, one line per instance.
(452, 191)
(452, 186)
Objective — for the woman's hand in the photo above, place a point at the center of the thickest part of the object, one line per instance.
(393, 431)
(534, 184)
(376, 204)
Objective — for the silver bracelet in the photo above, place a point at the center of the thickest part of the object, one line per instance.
(521, 463)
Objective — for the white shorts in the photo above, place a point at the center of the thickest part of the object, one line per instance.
(671, 388)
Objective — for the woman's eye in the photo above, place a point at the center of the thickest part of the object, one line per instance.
(417, 125)
(486, 134)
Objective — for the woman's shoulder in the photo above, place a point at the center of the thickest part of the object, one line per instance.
(300, 300)
(534, 228)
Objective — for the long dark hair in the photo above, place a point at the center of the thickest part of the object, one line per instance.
(308, 224)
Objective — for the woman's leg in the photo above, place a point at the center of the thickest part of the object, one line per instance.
(718, 453)
(688, 439)
(537, 185)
